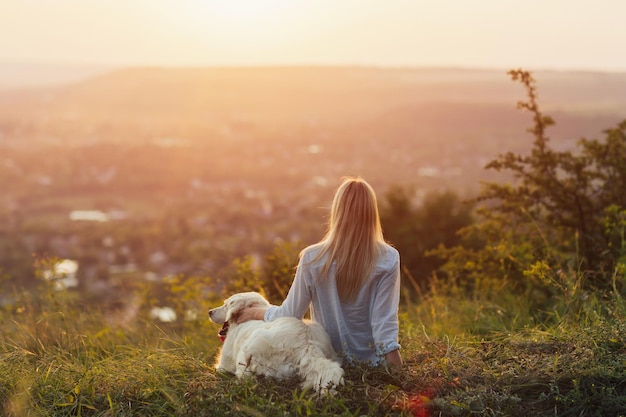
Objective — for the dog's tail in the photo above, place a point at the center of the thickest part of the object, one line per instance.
(318, 372)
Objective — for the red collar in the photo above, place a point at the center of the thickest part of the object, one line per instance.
(223, 331)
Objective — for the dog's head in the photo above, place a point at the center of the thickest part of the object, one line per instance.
(234, 304)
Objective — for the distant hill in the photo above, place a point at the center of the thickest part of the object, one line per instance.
(197, 102)
(20, 75)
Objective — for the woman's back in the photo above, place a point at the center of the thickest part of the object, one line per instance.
(365, 328)
(350, 280)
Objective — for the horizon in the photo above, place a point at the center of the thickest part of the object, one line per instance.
(70, 65)
(19, 75)
(557, 36)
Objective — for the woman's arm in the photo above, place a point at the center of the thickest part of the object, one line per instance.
(384, 311)
(295, 305)
(298, 298)
(251, 313)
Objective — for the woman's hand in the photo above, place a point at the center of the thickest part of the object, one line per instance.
(251, 313)
(394, 358)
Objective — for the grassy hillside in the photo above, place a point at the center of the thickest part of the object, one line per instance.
(480, 354)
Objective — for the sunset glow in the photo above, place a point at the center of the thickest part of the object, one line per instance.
(488, 33)
(160, 156)
(237, 20)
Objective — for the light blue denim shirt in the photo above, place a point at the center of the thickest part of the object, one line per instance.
(362, 330)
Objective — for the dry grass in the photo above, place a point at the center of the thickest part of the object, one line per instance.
(457, 364)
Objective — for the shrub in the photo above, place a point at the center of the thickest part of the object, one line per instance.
(563, 210)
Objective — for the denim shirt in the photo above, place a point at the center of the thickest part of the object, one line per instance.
(362, 330)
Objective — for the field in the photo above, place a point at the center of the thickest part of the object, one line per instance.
(211, 181)
(465, 355)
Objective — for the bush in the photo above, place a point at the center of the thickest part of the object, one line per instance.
(417, 230)
(562, 214)
(272, 278)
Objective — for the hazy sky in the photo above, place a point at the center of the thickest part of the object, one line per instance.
(534, 34)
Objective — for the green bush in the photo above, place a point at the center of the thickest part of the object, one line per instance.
(417, 230)
(562, 214)
(272, 276)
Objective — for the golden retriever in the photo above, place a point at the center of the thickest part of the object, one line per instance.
(284, 348)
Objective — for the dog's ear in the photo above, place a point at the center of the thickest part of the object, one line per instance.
(231, 316)
(234, 308)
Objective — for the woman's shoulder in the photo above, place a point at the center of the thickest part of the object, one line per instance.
(389, 256)
(312, 250)
(389, 251)
(311, 253)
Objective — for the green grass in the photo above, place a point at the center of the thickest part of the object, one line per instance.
(466, 355)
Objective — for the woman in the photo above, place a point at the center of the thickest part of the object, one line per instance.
(350, 280)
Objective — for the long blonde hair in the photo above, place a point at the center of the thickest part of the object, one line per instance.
(354, 238)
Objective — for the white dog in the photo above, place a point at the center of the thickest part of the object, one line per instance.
(283, 348)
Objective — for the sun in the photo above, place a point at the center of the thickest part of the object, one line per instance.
(244, 9)
(237, 32)
(241, 16)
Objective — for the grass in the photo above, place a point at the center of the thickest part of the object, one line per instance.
(466, 355)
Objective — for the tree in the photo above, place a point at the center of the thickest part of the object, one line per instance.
(417, 230)
(561, 209)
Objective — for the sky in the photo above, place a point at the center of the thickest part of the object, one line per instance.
(533, 34)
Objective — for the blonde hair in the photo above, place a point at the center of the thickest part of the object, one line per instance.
(354, 238)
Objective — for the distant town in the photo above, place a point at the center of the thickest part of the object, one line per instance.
(149, 174)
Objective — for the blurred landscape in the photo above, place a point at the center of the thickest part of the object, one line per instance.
(147, 173)
(157, 157)
(132, 199)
